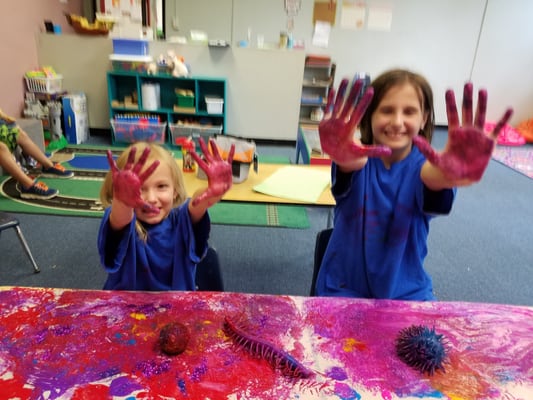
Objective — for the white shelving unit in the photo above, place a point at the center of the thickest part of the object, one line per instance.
(318, 80)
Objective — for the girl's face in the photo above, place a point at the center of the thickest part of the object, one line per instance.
(397, 119)
(159, 191)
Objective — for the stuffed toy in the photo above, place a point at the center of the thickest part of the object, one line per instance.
(177, 64)
(526, 129)
(508, 136)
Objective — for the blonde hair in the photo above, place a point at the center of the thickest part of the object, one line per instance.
(157, 152)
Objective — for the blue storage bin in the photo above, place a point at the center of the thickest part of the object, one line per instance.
(125, 131)
(134, 47)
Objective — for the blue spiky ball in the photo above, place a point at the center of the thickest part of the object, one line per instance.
(422, 348)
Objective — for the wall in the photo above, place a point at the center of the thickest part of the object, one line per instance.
(486, 41)
(261, 101)
(19, 22)
(450, 42)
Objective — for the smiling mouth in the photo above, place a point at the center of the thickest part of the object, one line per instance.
(151, 211)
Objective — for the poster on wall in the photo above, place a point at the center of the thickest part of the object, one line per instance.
(325, 10)
(353, 14)
(321, 34)
(379, 19)
(132, 8)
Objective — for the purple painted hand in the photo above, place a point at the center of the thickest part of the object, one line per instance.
(218, 171)
(469, 148)
(340, 121)
(128, 181)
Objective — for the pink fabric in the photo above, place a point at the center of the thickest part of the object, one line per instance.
(509, 136)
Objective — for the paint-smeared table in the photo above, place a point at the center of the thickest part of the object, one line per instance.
(63, 344)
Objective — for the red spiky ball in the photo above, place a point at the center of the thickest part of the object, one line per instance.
(173, 338)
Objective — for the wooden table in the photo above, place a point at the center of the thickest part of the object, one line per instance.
(244, 191)
(81, 344)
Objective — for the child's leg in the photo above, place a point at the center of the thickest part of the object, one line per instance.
(49, 169)
(8, 163)
(31, 149)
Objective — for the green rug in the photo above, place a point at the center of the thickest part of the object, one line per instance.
(79, 197)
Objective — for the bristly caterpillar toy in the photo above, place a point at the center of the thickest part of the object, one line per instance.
(261, 349)
(422, 348)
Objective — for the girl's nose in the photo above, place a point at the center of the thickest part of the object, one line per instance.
(149, 195)
(397, 119)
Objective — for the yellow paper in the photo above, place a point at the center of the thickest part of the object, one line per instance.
(296, 183)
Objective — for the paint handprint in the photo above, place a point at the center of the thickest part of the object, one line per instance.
(343, 114)
(218, 171)
(128, 181)
(469, 148)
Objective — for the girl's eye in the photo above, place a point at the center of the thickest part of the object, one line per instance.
(411, 111)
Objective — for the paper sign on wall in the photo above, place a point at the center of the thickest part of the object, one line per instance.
(321, 34)
(353, 14)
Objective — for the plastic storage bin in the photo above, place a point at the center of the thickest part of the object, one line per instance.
(136, 47)
(239, 172)
(44, 84)
(215, 105)
(125, 63)
(185, 101)
(194, 131)
(141, 130)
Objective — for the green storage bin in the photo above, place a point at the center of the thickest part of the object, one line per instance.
(185, 98)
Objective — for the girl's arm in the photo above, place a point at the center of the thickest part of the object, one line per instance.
(337, 129)
(219, 179)
(127, 187)
(469, 148)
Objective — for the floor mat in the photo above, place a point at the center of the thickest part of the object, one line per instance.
(518, 158)
(79, 196)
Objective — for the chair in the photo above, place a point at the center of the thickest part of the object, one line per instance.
(322, 240)
(209, 274)
(9, 221)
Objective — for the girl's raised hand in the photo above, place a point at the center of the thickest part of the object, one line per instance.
(128, 181)
(218, 171)
(469, 148)
(337, 128)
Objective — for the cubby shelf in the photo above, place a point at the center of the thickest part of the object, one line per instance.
(125, 98)
(317, 82)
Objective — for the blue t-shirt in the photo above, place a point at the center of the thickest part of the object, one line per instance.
(166, 261)
(381, 223)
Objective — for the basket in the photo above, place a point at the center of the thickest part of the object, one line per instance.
(44, 84)
(194, 132)
(128, 63)
(214, 105)
(137, 131)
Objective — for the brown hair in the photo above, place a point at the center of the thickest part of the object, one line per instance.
(157, 152)
(381, 86)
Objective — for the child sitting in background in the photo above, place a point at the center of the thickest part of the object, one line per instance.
(386, 189)
(151, 236)
(10, 136)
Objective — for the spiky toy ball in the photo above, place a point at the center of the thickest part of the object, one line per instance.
(422, 348)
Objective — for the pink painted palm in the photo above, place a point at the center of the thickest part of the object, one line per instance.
(218, 170)
(127, 182)
(342, 117)
(469, 148)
